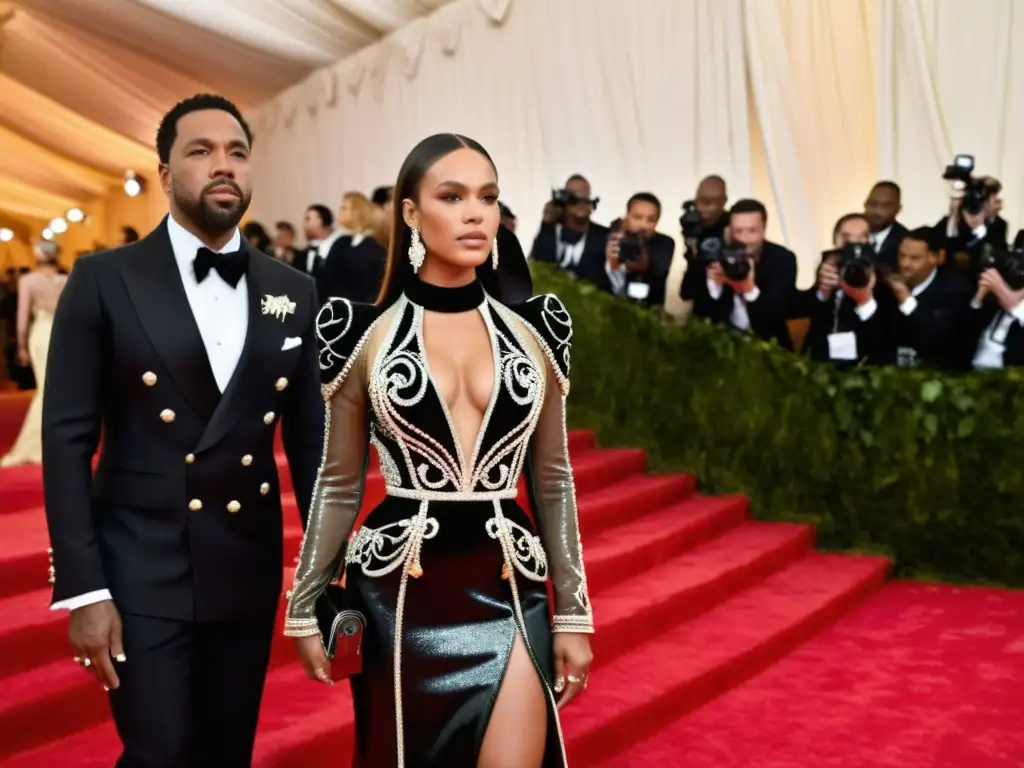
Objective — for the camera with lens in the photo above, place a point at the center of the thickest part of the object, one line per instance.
(1008, 263)
(690, 221)
(632, 245)
(973, 193)
(564, 197)
(731, 257)
(854, 262)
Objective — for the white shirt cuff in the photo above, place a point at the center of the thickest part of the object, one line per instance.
(980, 232)
(1018, 312)
(908, 306)
(866, 311)
(752, 295)
(714, 289)
(821, 296)
(617, 278)
(97, 596)
(975, 304)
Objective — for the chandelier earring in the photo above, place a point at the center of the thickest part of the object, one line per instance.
(494, 254)
(417, 252)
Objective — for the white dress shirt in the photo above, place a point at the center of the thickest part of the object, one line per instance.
(569, 254)
(908, 306)
(222, 315)
(739, 318)
(992, 344)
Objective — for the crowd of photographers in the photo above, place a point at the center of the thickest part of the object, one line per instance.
(946, 296)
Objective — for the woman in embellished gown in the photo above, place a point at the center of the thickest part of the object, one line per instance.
(38, 292)
(463, 664)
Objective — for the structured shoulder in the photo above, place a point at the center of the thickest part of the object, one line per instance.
(546, 316)
(341, 327)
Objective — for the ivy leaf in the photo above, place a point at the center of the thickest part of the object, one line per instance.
(966, 427)
(931, 390)
(931, 424)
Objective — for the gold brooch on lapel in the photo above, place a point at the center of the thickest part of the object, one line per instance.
(278, 306)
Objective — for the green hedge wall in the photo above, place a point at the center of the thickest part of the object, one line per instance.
(927, 468)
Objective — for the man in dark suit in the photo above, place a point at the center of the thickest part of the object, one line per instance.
(931, 304)
(845, 325)
(638, 257)
(883, 205)
(759, 303)
(184, 350)
(995, 324)
(568, 237)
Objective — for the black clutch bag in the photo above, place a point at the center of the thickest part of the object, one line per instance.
(341, 632)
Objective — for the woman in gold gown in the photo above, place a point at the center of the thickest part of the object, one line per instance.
(38, 292)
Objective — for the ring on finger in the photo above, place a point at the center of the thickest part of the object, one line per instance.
(574, 679)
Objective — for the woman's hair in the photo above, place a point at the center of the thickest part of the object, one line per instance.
(399, 270)
(362, 211)
(257, 235)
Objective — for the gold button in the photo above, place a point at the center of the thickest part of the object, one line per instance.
(189, 458)
(268, 417)
(246, 460)
(167, 415)
(149, 378)
(195, 505)
(280, 384)
(233, 506)
(264, 489)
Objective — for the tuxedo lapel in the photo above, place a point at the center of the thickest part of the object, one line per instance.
(156, 291)
(262, 340)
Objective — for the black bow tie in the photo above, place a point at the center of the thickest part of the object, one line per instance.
(230, 266)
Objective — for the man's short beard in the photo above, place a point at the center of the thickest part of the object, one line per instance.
(208, 216)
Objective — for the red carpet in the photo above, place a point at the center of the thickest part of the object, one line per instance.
(920, 676)
(692, 598)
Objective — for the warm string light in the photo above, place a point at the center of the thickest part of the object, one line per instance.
(75, 215)
(58, 226)
(6, 235)
(132, 184)
(47, 234)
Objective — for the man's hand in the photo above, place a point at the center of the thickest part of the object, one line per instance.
(552, 212)
(861, 296)
(24, 359)
(747, 284)
(992, 282)
(715, 274)
(828, 278)
(899, 288)
(611, 251)
(96, 635)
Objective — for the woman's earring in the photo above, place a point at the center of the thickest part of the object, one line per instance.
(494, 254)
(417, 253)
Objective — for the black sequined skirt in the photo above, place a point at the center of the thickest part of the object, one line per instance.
(444, 606)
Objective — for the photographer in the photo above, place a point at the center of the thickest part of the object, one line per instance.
(850, 308)
(973, 225)
(568, 237)
(703, 218)
(745, 281)
(996, 316)
(638, 258)
(932, 303)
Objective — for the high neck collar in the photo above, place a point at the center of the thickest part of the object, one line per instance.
(438, 299)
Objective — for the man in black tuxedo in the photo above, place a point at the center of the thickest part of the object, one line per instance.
(931, 304)
(567, 236)
(184, 350)
(638, 257)
(759, 303)
(995, 324)
(850, 324)
(883, 205)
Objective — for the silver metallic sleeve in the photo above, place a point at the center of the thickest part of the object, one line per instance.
(556, 516)
(337, 496)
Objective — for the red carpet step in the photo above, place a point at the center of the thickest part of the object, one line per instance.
(690, 596)
(920, 676)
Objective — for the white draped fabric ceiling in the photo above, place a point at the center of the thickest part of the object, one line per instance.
(83, 83)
